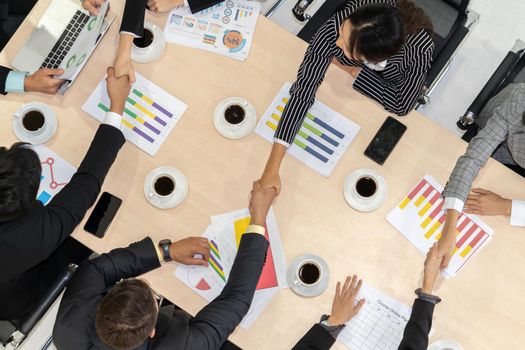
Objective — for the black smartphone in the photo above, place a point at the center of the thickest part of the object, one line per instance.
(102, 215)
(385, 140)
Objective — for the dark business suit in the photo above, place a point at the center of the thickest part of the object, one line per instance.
(175, 329)
(12, 12)
(133, 17)
(30, 244)
(415, 336)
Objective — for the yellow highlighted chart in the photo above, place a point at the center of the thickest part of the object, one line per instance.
(420, 218)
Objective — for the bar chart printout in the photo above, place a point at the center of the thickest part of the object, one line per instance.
(322, 139)
(56, 173)
(149, 115)
(379, 325)
(420, 218)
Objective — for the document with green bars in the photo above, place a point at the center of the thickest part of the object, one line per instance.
(149, 116)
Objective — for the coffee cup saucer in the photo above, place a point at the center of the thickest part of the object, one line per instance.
(444, 344)
(154, 50)
(360, 203)
(178, 195)
(235, 131)
(299, 287)
(49, 129)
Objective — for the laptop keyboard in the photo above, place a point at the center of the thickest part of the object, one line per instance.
(66, 40)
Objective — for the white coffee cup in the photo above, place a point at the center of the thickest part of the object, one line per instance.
(163, 186)
(309, 273)
(366, 186)
(32, 120)
(235, 114)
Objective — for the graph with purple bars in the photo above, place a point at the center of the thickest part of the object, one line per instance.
(322, 139)
(149, 115)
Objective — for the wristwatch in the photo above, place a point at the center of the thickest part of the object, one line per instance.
(164, 246)
(333, 330)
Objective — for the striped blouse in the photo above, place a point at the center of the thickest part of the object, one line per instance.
(396, 87)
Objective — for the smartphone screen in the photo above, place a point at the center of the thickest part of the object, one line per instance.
(102, 215)
(385, 140)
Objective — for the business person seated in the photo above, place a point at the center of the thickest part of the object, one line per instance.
(35, 246)
(415, 336)
(502, 135)
(132, 26)
(20, 82)
(386, 44)
(128, 317)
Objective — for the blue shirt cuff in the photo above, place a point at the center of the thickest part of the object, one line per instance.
(15, 82)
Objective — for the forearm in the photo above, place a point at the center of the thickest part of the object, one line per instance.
(124, 45)
(276, 157)
(449, 228)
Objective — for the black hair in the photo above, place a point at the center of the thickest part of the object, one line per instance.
(380, 30)
(20, 171)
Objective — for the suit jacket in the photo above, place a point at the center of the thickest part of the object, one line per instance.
(502, 134)
(175, 329)
(415, 336)
(4, 71)
(27, 241)
(133, 17)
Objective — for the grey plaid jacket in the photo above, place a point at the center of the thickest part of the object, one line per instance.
(502, 135)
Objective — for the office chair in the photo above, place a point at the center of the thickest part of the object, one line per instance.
(13, 332)
(510, 70)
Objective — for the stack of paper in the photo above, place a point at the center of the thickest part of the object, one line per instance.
(226, 28)
(224, 235)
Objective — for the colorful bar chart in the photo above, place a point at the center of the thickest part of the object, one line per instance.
(322, 138)
(420, 218)
(214, 259)
(150, 113)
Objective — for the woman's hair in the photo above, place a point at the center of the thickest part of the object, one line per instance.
(380, 30)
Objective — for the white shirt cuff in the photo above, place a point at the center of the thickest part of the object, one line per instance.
(186, 3)
(453, 203)
(284, 143)
(15, 81)
(129, 33)
(517, 217)
(113, 119)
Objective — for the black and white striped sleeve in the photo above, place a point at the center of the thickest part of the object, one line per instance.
(311, 74)
(399, 96)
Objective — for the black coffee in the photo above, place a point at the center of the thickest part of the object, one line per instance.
(33, 120)
(234, 114)
(146, 39)
(309, 273)
(164, 185)
(366, 187)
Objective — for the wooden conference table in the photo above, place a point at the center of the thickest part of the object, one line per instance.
(482, 308)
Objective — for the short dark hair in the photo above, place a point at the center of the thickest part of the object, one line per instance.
(380, 30)
(20, 171)
(127, 315)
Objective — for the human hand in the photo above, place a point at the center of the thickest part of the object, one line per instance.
(118, 91)
(343, 308)
(42, 81)
(260, 203)
(159, 6)
(271, 180)
(432, 267)
(92, 6)
(446, 248)
(123, 67)
(183, 251)
(484, 202)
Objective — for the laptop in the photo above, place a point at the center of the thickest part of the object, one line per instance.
(65, 37)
